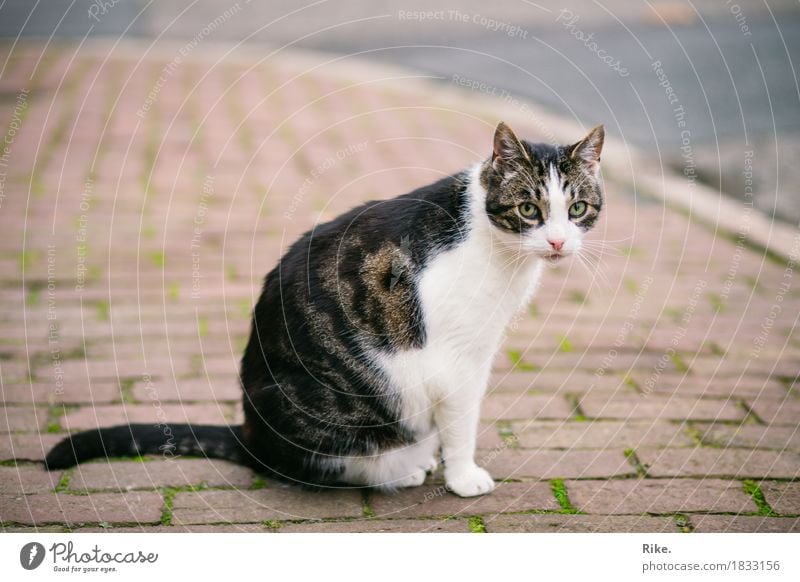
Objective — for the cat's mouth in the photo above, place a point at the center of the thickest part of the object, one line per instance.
(553, 257)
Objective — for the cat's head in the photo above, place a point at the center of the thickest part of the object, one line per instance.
(542, 199)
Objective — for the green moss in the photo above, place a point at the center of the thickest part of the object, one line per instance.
(53, 427)
(516, 360)
(694, 434)
(631, 285)
(562, 496)
(679, 363)
(564, 345)
(103, 310)
(507, 433)
(230, 272)
(34, 294)
(576, 297)
(577, 411)
(126, 390)
(366, 508)
(63, 483)
(270, 524)
(476, 524)
(683, 522)
(158, 259)
(169, 500)
(258, 483)
(202, 325)
(27, 258)
(716, 302)
(633, 459)
(753, 489)
(631, 383)
(243, 307)
(714, 348)
(174, 291)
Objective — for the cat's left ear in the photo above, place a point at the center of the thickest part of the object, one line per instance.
(589, 148)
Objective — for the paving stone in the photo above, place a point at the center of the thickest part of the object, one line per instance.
(659, 407)
(783, 498)
(380, 526)
(548, 464)
(777, 410)
(750, 436)
(138, 507)
(599, 434)
(46, 394)
(147, 528)
(96, 416)
(488, 436)
(210, 389)
(659, 496)
(25, 479)
(739, 463)
(513, 406)
(433, 500)
(32, 447)
(152, 474)
(711, 386)
(22, 419)
(744, 524)
(579, 524)
(275, 503)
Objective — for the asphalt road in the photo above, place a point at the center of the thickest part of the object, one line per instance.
(724, 72)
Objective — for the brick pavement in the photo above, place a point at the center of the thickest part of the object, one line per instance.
(657, 392)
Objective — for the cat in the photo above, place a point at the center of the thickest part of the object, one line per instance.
(373, 338)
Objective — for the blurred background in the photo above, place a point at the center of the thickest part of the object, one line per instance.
(724, 71)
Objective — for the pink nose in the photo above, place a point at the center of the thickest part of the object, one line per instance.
(556, 244)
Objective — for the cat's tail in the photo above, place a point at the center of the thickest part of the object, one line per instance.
(220, 442)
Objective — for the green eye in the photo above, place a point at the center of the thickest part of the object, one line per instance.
(577, 210)
(528, 210)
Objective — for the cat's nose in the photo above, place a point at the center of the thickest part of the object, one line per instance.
(556, 243)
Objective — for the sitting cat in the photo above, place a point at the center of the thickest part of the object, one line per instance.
(373, 338)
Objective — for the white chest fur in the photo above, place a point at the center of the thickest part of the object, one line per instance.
(469, 295)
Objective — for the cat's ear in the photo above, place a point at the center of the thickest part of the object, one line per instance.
(508, 150)
(589, 148)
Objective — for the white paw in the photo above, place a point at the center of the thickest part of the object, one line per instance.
(430, 465)
(415, 479)
(469, 482)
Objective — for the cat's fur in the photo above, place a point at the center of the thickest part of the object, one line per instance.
(373, 339)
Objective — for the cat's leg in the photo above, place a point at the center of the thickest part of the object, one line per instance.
(396, 468)
(456, 417)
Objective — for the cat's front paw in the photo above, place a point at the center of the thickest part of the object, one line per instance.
(415, 479)
(469, 482)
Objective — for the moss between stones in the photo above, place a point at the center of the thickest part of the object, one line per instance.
(476, 524)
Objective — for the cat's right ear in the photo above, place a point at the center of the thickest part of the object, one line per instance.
(508, 150)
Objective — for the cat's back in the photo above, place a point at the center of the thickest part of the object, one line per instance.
(424, 221)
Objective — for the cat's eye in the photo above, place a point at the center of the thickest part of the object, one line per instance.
(528, 210)
(577, 210)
